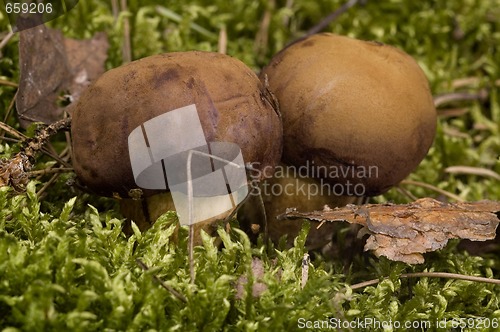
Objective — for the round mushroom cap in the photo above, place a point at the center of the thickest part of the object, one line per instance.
(356, 114)
(232, 104)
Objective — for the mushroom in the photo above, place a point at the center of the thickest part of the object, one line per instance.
(358, 117)
(355, 113)
(231, 103)
(288, 189)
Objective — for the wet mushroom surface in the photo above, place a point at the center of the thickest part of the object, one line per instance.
(358, 114)
(232, 105)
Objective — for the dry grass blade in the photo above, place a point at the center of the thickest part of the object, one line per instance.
(222, 44)
(13, 132)
(8, 83)
(330, 18)
(445, 275)
(6, 39)
(459, 96)
(434, 188)
(126, 49)
(473, 171)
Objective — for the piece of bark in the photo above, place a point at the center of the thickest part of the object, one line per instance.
(405, 232)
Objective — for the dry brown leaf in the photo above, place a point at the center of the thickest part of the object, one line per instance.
(405, 232)
(52, 65)
(13, 172)
(258, 287)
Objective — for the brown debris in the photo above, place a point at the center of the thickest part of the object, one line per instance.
(258, 287)
(52, 66)
(405, 232)
(13, 171)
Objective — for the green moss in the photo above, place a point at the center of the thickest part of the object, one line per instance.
(66, 265)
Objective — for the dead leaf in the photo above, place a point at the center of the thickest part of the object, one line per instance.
(258, 287)
(52, 65)
(13, 172)
(86, 60)
(405, 232)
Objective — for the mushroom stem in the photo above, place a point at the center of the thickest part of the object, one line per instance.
(289, 190)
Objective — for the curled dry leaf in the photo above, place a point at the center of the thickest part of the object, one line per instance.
(258, 287)
(51, 66)
(405, 232)
(13, 172)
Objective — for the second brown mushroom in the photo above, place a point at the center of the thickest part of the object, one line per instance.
(358, 117)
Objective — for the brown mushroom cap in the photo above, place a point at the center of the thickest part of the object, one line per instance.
(354, 112)
(230, 100)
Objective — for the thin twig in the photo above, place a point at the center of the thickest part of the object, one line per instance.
(172, 291)
(445, 275)
(240, 204)
(67, 134)
(472, 171)
(406, 192)
(13, 132)
(126, 49)
(8, 139)
(434, 188)
(46, 185)
(9, 83)
(262, 37)
(165, 12)
(330, 18)
(10, 108)
(56, 157)
(459, 96)
(50, 171)
(222, 44)
(115, 9)
(6, 39)
(305, 270)
(35, 144)
(288, 7)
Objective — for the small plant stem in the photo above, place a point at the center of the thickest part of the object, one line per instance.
(10, 108)
(431, 187)
(445, 275)
(126, 49)
(473, 171)
(11, 131)
(191, 253)
(163, 284)
(305, 270)
(406, 193)
(50, 171)
(459, 96)
(6, 39)
(67, 134)
(331, 17)
(8, 83)
(115, 9)
(47, 185)
(222, 43)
